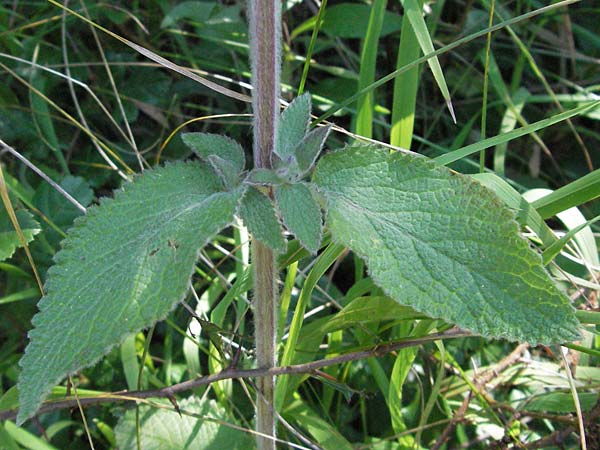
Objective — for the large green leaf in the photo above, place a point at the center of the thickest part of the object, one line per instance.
(443, 244)
(165, 429)
(122, 267)
(9, 239)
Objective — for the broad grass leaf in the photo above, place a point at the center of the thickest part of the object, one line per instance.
(258, 213)
(165, 429)
(122, 268)
(443, 244)
(576, 193)
(293, 126)
(300, 214)
(9, 239)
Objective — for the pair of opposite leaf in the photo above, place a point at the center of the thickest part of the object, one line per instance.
(295, 154)
(434, 240)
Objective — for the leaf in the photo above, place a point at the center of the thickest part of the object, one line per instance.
(165, 429)
(414, 12)
(193, 10)
(9, 239)
(26, 438)
(6, 440)
(292, 126)
(310, 147)
(261, 176)
(300, 213)
(442, 244)
(572, 218)
(581, 231)
(226, 171)
(467, 150)
(51, 202)
(575, 193)
(525, 214)
(207, 144)
(321, 264)
(258, 213)
(350, 20)
(560, 402)
(405, 88)
(368, 63)
(122, 268)
(322, 431)
(359, 313)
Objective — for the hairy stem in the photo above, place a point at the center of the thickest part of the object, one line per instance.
(265, 306)
(265, 44)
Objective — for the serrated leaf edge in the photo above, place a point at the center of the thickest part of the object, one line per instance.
(507, 214)
(231, 141)
(321, 222)
(79, 223)
(276, 150)
(277, 218)
(302, 173)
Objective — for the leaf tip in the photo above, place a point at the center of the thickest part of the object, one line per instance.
(451, 109)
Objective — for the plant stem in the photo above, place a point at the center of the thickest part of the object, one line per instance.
(265, 305)
(265, 45)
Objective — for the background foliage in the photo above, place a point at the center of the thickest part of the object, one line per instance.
(75, 101)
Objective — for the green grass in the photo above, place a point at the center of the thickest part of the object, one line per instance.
(392, 81)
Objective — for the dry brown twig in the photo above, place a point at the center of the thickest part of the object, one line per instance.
(234, 373)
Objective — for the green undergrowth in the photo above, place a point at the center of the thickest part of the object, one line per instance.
(92, 115)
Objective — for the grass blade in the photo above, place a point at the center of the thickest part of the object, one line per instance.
(509, 121)
(368, 60)
(405, 88)
(544, 123)
(576, 193)
(413, 10)
(311, 46)
(526, 214)
(324, 261)
(554, 249)
(331, 111)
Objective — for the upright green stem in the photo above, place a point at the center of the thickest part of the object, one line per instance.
(265, 45)
(265, 305)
